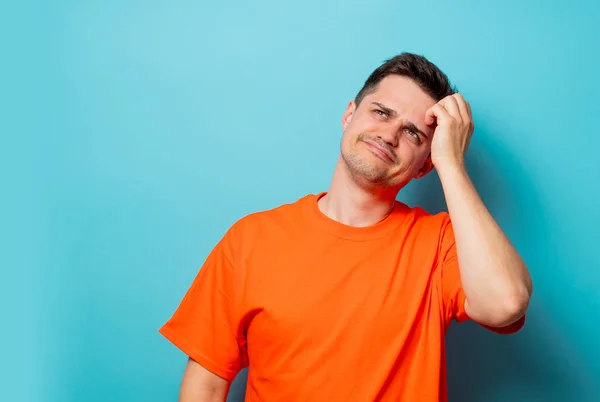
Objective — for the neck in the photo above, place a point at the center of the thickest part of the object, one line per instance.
(355, 203)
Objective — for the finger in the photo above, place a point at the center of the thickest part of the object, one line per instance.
(463, 107)
(469, 109)
(470, 112)
(451, 105)
(470, 116)
(436, 112)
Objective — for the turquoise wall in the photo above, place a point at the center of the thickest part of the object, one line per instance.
(135, 132)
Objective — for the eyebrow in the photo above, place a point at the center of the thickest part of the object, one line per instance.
(386, 109)
(392, 112)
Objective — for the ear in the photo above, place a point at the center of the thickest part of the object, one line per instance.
(347, 116)
(427, 167)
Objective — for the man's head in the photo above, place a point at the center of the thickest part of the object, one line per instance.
(386, 142)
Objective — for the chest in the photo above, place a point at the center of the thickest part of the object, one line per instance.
(317, 292)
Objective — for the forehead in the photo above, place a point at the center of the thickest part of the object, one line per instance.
(403, 95)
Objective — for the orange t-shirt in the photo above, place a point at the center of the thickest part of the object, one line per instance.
(321, 311)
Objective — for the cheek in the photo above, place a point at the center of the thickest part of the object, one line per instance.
(363, 123)
(347, 142)
(350, 136)
(412, 154)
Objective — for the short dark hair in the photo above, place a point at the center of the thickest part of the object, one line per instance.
(423, 72)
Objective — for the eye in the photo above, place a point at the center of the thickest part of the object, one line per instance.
(381, 113)
(414, 135)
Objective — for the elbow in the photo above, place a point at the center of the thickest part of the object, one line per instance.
(512, 309)
(500, 311)
(516, 302)
(517, 306)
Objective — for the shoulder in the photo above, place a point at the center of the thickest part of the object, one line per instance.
(427, 221)
(260, 223)
(430, 230)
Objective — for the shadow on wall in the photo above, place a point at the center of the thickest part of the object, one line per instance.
(238, 387)
(533, 365)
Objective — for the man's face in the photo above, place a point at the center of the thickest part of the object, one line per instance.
(386, 142)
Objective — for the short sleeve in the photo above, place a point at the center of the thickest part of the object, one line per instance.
(203, 326)
(453, 294)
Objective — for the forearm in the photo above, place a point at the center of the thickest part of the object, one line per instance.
(495, 279)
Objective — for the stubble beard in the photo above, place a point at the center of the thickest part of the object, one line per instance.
(362, 170)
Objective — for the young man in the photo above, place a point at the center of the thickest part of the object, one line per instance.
(346, 295)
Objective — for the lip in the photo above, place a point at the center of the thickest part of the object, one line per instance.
(381, 152)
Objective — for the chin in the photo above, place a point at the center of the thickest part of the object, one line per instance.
(372, 169)
(384, 180)
(378, 178)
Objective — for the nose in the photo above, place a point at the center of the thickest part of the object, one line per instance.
(389, 136)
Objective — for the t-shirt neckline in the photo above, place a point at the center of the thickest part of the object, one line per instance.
(380, 229)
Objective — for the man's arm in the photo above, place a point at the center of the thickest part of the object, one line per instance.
(200, 385)
(495, 279)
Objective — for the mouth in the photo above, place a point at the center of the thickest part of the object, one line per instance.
(379, 151)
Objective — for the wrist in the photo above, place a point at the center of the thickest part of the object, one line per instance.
(451, 168)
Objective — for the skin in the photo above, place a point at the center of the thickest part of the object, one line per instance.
(365, 184)
(200, 385)
(396, 134)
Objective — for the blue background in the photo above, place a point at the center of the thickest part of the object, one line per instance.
(135, 132)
